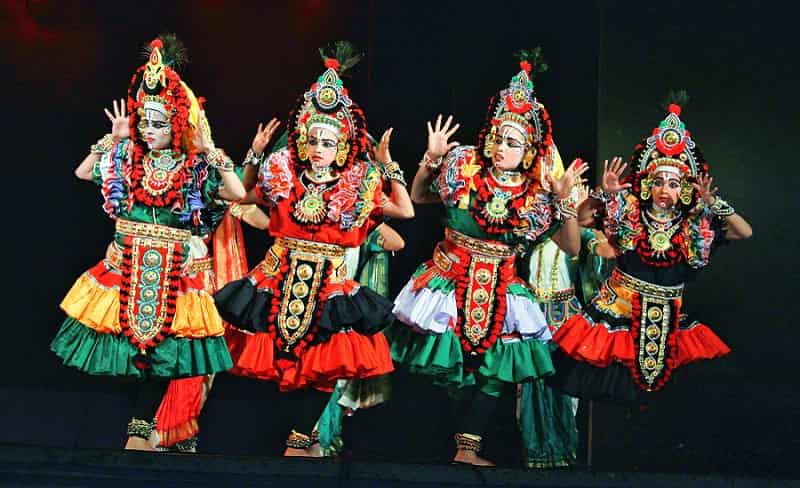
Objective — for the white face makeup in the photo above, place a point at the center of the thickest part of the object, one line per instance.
(509, 148)
(666, 189)
(155, 128)
(322, 145)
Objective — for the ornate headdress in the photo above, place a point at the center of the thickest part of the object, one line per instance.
(157, 85)
(516, 106)
(328, 105)
(670, 149)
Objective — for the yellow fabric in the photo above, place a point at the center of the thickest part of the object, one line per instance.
(98, 308)
(196, 316)
(93, 305)
(614, 300)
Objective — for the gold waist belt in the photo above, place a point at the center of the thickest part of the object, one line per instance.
(554, 296)
(479, 246)
(329, 251)
(114, 258)
(620, 278)
(155, 231)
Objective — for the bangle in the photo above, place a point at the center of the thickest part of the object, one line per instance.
(218, 159)
(380, 240)
(430, 163)
(392, 172)
(252, 158)
(594, 242)
(599, 194)
(566, 208)
(103, 145)
(721, 208)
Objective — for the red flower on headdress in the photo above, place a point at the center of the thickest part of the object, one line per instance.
(332, 63)
(674, 108)
(156, 43)
(526, 66)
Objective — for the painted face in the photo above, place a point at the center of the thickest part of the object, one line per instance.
(155, 128)
(321, 147)
(666, 189)
(509, 148)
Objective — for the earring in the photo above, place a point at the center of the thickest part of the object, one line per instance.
(645, 190)
(528, 159)
(686, 192)
(488, 144)
(343, 149)
(302, 144)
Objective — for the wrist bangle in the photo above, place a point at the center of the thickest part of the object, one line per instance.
(566, 208)
(721, 208)
(392, 172)
(430, 163)
(252, 158)
(103, 145)
(599, 194)
(218, 159)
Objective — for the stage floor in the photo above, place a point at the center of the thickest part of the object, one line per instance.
(38, 466)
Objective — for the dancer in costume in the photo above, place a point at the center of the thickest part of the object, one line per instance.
(472, 323)
(547, 417)
(664, 224)
(144, 313)
(299, 321)
(176, 421)
(369, 265)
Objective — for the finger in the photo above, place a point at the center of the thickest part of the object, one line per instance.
(622, 169)
(626, 185)
(605, 166)
(447, 123)
(453, 130)
(260, 129)
(715, 190)
(439, 123)
(697, 187)
(275, 126)
(452, 145)
(122, 108)
(430, 129)
(108, 114)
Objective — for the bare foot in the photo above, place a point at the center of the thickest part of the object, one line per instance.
(138, 444)
(471, 457)
(315, 451)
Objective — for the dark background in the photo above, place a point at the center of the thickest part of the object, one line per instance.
(611, 64)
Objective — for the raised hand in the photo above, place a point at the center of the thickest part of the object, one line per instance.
(611, 175)
(119, 121)
(263, 135)
(202, 139)
(382, 150)
(703, 187)
(572, 176)
(583, 193)
(438, 136)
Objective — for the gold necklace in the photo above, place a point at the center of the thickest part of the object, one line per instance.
(496, 210)
(507, 178)
(160, 169)
(312, 207)
(659, 234)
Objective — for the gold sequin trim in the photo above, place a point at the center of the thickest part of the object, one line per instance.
(142, 229)
(479, 246)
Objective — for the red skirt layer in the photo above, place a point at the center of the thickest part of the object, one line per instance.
(594, 344)
(347, 354)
